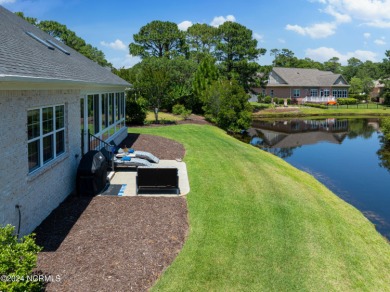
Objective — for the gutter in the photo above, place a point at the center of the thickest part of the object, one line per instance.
(37, 80)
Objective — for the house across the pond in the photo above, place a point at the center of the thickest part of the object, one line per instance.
(50, 96)
(305, 85)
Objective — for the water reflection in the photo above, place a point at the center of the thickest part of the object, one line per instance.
(282, 137)
(349, 156)
(384, 153)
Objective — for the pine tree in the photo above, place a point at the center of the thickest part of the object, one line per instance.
(206, 73)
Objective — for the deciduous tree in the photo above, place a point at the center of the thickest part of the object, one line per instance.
(162, 82)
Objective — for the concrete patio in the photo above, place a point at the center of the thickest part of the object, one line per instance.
(124, 178)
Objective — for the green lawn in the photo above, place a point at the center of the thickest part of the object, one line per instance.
(259, 224)
(163, 117)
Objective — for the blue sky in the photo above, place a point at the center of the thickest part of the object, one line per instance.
(318, 29)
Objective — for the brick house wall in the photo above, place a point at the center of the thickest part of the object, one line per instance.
(39, 192)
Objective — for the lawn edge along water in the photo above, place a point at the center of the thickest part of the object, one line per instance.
(259, 224)
(310, 112)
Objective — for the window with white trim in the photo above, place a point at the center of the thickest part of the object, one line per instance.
(297, 93)
(45, 135)
(314, 92)
(326, 92)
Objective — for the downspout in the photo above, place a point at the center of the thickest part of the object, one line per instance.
(19, 216)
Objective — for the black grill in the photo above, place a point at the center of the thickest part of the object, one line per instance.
(91, 174)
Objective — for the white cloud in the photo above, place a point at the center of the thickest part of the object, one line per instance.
(184, 25)
(258, 37)
(323, 54)
(117, 45)
(296, 28)
(316, 31)
(218, 20)
(367, 35)
(378, 24)
(6, 1)
(282, 41)
(362, 10)
(374, 13)
(339, 17)
(126, 61)
(380, 42)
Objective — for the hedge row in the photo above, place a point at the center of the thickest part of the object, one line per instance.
(268, 99)
(347, 101)
(316, 105)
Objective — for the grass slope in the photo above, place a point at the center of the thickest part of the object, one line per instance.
(259, 224)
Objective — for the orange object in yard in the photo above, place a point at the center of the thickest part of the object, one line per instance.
(331, 102)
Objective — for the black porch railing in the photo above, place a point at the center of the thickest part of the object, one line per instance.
(95, 143)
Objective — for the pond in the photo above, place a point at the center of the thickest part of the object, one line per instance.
(347, 155)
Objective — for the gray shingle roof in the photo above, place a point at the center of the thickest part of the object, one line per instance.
(22, 57)
(306, 77)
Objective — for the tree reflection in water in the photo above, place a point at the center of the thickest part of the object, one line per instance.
(360, 128)
(384, 153)
(281, 152)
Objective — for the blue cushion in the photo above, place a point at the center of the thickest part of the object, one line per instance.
(126, 158)
(131, 150)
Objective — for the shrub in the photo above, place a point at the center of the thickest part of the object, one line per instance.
(347, 101)
(358, 96)
(17, 260)
(136, 111)
(179, 109)
(227, 104)
(267, 99)
(288, 100)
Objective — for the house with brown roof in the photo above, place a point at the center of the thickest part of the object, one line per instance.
(306, 85)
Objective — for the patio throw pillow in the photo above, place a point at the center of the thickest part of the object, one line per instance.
(146, 155)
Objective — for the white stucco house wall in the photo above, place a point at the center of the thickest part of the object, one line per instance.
(50, 95)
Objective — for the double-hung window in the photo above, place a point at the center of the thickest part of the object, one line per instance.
(46, 135)
(297, 93)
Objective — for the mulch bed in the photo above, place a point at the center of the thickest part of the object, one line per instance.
(195, 119)
(109, 243)
(161, 147)
(192, 119)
